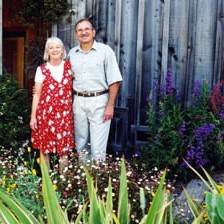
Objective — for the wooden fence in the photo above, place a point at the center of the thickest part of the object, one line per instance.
(150, 36)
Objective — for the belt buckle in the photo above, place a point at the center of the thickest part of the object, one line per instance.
(84, 93)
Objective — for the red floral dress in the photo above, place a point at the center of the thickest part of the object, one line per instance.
(55, 132)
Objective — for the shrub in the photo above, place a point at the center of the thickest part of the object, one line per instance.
(193, 132)
(14, 117)
(72, 186)
(23, 182)
(95, 209)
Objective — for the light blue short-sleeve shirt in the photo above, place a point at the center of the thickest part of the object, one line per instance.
(95, 70)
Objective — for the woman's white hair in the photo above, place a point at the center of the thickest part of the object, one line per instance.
(53, 40)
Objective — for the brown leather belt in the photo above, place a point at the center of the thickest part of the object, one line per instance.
(86, 94)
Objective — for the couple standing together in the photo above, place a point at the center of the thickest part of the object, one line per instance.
(93, 72)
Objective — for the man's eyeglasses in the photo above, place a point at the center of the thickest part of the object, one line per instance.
(87, 29)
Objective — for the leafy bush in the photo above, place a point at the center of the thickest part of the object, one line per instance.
(49, 12)
(14, 116)
(24, 181)
(94, 210)
(193, 132)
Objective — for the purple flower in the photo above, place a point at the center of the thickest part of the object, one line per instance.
(162, 91)
(204, 131)
(221, 115)
(148, 100)
(168, 88)
(197, 92)
(195, 152)
(219, 138)
(197, 89)
(169, 83)
(182, 129)
(221, 112)
(195, 155)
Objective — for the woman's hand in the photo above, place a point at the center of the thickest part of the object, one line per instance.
(33, 123)
(36, 97)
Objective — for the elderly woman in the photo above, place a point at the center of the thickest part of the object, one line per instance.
(51, 116)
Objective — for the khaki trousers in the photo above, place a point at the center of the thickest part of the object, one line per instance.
(91, 133)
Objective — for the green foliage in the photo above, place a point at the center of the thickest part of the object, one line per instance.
(94, 210)
(163, 148)
(214, 200)
(14, 114)
(158, 210)
(48, 12)
(123, 205)
(21, 179)
(23, 183)
(176, 131)
(54, 212)
(12, 211)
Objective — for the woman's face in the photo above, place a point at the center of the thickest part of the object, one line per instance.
(55, 51)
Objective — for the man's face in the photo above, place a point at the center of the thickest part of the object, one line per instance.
(85, 32)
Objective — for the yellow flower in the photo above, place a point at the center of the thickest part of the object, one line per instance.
(167, 191)
(8, 189)
(34, 172)
(222, 191)
(37, 196)
(29, 149)
(205, 216)
(38, 160)
(3, 183)
(55, 187)
(13, 185)
(25, 163)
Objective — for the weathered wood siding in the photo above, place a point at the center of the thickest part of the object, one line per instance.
(150, 36)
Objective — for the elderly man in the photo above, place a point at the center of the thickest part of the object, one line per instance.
(96, 83)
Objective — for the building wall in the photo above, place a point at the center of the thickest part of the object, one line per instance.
(150, 36)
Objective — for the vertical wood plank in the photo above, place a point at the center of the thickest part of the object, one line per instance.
(205, 39)
(165, 38)
(191, 48)
(117, 30)
(151, 65)
(128, 49)
(217, 75)
(110, 27)
(178, 42)
(139, 50)
(102, 21)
